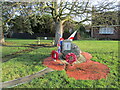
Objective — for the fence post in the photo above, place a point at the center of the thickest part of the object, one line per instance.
(38, 40)
(53, 41)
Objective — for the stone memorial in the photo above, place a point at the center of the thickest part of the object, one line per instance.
(68, 52)
(69, 47)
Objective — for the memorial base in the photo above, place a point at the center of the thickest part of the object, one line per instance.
(89, 70)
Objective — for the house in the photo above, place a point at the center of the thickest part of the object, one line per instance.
(106, 25)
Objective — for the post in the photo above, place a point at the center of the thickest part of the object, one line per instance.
(53, 41)
(38, 40)
(92, 31)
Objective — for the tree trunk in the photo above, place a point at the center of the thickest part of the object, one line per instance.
(59, 31)
(2, 40)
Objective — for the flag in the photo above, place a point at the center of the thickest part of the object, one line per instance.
(72, 36)
(59, 49)
(59, 44)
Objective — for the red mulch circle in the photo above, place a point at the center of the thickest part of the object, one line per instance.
(88, 70)
(57, 65)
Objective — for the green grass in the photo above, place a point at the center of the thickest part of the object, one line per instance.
(24, 64)
(105, 52)
(16, 45)
(26, 42)
(97, 46)
(21, 42)
(11, 50)
(59, 79)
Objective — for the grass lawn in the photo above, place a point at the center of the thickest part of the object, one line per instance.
(25, 63)
(10, 50)
(105, 52)
(15, 45)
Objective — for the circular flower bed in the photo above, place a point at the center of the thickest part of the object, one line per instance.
(88, 70)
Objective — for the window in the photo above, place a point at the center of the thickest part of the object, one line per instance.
(106, 30)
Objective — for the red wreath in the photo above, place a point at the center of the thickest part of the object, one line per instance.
(54, 55)
(68, 58)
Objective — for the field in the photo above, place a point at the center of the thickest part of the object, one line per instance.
(27, 63)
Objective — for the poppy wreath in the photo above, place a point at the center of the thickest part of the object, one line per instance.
(68, 58)
(54, 54)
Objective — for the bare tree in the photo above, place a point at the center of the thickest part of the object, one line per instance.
(105, 14)
(64, 11)
(10, 10)
(61, 11)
